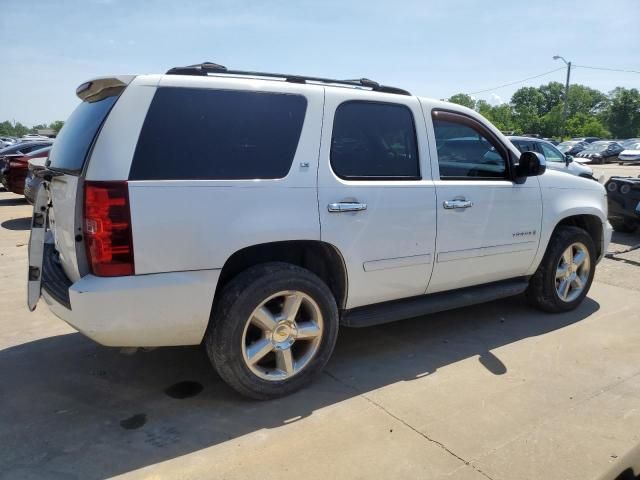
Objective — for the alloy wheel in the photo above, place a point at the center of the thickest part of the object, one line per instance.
(282, 335)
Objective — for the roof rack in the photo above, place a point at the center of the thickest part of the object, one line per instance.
(206, 68)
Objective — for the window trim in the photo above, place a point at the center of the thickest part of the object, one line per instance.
(469, 121)
(374, 177)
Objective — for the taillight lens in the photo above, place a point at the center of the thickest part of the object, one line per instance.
(107, 228)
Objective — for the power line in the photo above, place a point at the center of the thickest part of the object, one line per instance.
(607, 69)
(519, 81)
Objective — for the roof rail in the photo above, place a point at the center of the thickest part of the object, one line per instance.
(206, 68)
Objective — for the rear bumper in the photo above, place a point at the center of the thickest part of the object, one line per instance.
(163, 309)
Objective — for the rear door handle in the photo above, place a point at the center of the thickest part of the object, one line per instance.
(346, 207)
(457, 203)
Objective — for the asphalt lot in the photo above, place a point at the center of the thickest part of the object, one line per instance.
(497, 391)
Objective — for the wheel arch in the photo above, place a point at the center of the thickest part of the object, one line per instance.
(592, 224)
(321, 258)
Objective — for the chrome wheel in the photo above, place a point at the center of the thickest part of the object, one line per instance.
(282, 335)
(572, 272)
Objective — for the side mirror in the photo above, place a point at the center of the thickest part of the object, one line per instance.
(530, 164)
(568, 159)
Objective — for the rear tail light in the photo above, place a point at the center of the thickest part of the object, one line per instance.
(107, 228)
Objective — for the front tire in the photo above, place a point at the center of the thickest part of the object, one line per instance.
(566, 272)
(272, 330)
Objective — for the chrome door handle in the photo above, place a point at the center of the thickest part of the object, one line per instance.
(346, 207)
(458, 203)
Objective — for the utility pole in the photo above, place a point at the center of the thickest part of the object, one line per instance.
(566, 95)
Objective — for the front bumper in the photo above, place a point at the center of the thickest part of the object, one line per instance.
(163, 309)
(623, 206)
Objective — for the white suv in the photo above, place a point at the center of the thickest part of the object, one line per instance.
(293, 205)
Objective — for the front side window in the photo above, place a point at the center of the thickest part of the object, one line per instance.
(466, 150)
(550, 153)
(374, 141)
(203, 134)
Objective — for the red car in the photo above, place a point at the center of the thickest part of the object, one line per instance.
(15, 166)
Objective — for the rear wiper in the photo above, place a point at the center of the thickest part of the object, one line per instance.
(47, 173)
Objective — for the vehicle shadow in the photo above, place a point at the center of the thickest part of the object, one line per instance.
(13, 201)
(626, 239)
(68, 405)
(17, 224)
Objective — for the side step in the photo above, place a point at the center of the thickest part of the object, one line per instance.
(385, 312)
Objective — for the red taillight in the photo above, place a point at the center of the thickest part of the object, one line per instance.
(107, 228)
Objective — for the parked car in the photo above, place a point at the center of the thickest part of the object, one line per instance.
(17, 150)
(572, 147)
(6, 142)
(14, 169)
(32, 182)
(629, 142)
(623, 195)
(586, 139)
(631, 154)
(299, 204)
(554, 157)
(602, 151)
(22, 148)
(33, 137)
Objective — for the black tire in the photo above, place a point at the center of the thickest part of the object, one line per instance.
(541, 292)
(623, 225)
(238, 299)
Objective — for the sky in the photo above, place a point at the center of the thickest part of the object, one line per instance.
(433, 48)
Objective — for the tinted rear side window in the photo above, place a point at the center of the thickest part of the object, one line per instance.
(218, 134)
(74, 140)
(374, 141)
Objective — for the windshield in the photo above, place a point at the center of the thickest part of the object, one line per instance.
(76, 137)
(564, 146)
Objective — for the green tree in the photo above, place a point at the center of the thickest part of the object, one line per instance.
(56, 126)
(583, 99)
(20, 130)
(622, 114)
(553, 93)
(585, 125)
(502, 117)
(463, 99)
(6, 129)
(528, 104)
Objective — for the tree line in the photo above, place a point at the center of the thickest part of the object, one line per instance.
(8, 129)
(538, 110)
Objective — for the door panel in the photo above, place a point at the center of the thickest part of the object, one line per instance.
(388, 247)
(496, 235)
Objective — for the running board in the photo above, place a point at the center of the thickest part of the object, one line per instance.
(385, 312)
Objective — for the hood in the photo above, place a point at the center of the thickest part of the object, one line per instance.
(630, 152)
(557, 179)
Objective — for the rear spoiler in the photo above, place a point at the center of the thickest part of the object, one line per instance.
(103, 87)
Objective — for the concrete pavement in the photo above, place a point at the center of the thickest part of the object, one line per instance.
(496, 391)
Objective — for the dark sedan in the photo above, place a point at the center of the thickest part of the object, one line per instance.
(602, 151)
(572, 147)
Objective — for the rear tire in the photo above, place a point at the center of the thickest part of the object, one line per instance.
(546, 289)
(623, 225)
(272, 330)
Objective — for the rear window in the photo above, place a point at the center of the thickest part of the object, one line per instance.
(74, 140)
(218, 134)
